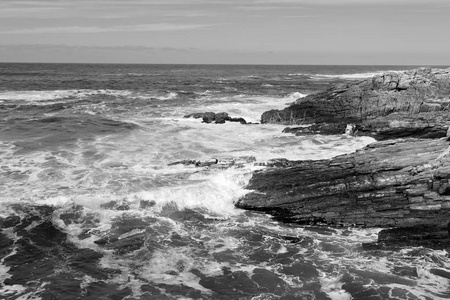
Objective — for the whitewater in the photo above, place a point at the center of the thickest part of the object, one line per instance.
(94, 204)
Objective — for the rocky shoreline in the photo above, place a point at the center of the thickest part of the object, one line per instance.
(402, 181)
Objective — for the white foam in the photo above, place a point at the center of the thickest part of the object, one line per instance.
(168, 96)
(64, 96)
(296, 95)
(4, 269)
(351, 76)
(356, 76)
(249, 107)
(37, 96)
(172, 266)
(215, 193)
(15, 290)
(127, 163)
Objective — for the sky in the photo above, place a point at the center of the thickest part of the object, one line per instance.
(374, 32)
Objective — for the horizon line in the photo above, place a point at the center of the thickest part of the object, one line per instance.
(224, 64)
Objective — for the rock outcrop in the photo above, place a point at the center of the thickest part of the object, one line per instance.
(390, 183)
(434, 237)
(401, 181)
(218, 118)
(409, 104)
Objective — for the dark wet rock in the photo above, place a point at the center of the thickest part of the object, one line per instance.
(390, 183)
(197, 163)
(399, 293)
(434, 237)
(400, 183)
(217, 118)
(320, 230)
(277, 162)
(412, 103)
(240, 120)
(215, 163)
(324, 128)
(208, 117)
(405, 271)
(441, 273)
(144, 204)
(220, 118)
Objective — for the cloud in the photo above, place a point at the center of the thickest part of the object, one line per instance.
(351, 2)
(16, 48)
(65, 47)
(263, 8)
(125, 28)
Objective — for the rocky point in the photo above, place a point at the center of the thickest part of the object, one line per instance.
(402, 181)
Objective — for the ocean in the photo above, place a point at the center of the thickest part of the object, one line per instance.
(107, 190)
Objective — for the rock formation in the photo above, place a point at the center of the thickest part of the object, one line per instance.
(197, 163)
(413, 103)
(401, 181)
(218, 118)
(390, 183)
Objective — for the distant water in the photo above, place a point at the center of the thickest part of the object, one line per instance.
(91, 206)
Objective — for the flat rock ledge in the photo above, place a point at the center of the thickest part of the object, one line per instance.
(393, 183)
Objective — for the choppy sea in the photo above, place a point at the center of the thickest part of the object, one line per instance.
(92, 206)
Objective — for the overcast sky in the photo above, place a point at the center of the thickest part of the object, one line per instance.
(226, 31)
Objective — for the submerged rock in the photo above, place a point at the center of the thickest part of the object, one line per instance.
(403, 104)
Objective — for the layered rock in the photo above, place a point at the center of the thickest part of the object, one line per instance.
(435, 237)
(401, 182)
(414, 103)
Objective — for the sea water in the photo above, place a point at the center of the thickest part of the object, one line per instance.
(93, 204)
